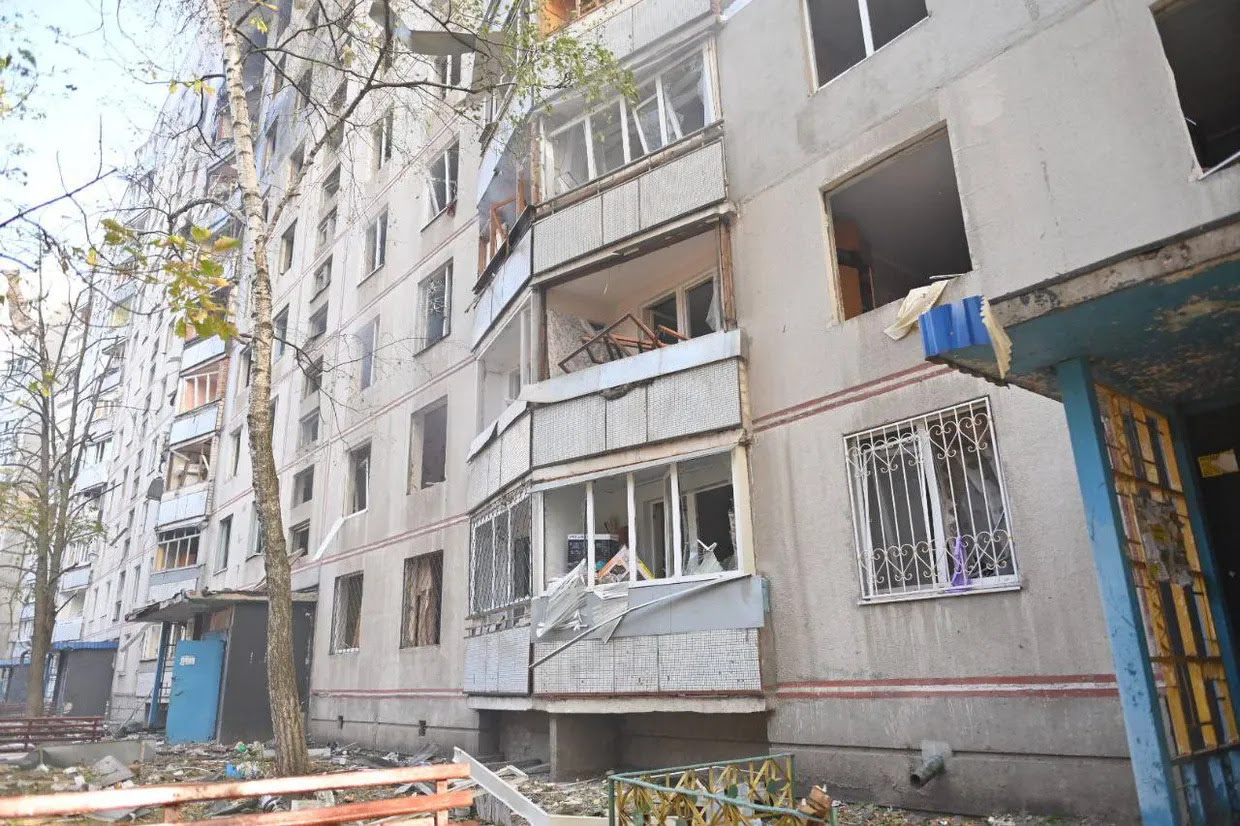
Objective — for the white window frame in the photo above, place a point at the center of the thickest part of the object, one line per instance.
(304, 473)
(451, 181)
(368, 337)
(443, 272)
(376, 244)
(311, 418)
(318, 283)
(867, 38)
(352, 485)
(325, 233)
(583, 122)
(381, 134)
(917, 430)
(223, 539)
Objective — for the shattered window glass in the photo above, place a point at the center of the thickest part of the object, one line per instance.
(684, 98)
(608, 140)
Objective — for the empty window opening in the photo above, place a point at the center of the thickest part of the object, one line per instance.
(303, 486)
(347, 614)
(448, 73)
(434, 296)
(630, 519)
(177, 549)
(279, 332)
(429, 445)
(189, 465)
(423, 600)
(222, 542)
(331, 184)
(647, 302)
(308, 429)
(580, 146)
(296, 162)
(322, 276)
(368, 340)
(898, 226)
(326, 232)
(318, 325)
(381, 138)
(500, 561)
(287, 247)
(258, 543)
(359, 478)
(236, 451)
(1200, 39)
(442, 179)
(929, 506)
(314, 378)
(199, 387)
(299, 539)
(845, 32)
(376, 242)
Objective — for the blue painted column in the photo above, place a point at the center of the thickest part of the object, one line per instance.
(165, 631)
(1147, 748)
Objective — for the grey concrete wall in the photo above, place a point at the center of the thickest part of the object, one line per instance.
(661, 739)
(584, 745)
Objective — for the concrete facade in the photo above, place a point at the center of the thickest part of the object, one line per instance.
(1067, 147)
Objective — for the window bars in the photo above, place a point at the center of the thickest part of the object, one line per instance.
(347, 614)
(500, 554)
(423, 600)
(930, 510)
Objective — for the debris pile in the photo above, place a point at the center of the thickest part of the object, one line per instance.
(584, 798)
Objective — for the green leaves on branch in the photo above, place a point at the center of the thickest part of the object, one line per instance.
(191, 270)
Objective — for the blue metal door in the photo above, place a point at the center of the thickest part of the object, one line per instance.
(194, 702)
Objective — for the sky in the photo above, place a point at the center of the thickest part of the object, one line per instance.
(104, 68)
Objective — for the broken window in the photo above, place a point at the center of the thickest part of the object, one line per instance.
(299, 539)
(314, 378)
(673, 103)
(279, 333)
(199, 387)
(222, 541)
(288, 247)
(326, 233)
(189, 465)
(303, 486)
(177, 549)
(376, 243)
(500, 572)
(898, 226)
(447, 73)
(308, 429)
(296, 161)
(557, 13)
(347, 614)
(442, 179)
(258, 545)
(428, 445)
(318, 325)
(1200, 39)
(845, 32)
(359, 478)
(434, 295)
(423, 600)
(929, 507)
(322, 276)
(672, 520)
(381, 139)
(368, 339)
(656, 300)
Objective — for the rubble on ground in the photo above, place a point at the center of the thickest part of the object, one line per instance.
(584, 798)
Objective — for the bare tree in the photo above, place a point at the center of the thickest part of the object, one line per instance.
(51, 390)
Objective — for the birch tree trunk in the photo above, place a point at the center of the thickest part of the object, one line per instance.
(286, 715)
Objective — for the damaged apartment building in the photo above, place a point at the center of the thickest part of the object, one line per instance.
(605, 439)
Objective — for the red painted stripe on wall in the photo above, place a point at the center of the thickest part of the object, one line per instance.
(832, 402)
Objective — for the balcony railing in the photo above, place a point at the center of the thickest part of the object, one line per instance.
(198, 422)
(167, 584)
(68, 629)
(182, 505)
(75, 579)
(200, 351)
(92, 475)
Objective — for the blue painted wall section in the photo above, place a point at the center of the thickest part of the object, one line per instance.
(1147, 748)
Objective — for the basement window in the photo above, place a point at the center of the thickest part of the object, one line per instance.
(897, 227)
(423, 600)
(929, 505)
(177, 549)
(347, 614)
(845, 32)
(430, 436)
(1200, 39)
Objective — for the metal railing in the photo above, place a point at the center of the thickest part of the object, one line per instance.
(744, 792)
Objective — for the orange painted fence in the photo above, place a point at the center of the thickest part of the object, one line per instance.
(171, 797)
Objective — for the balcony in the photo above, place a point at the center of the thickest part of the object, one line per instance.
(677, 182)
(201, 350)
(65, 630)
(110, 381)
(195, 424)
(74, 579)
(92, 475)
(167, 584)
(182, 505)
(622, 30)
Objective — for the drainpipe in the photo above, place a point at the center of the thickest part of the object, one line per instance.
(934, 756)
